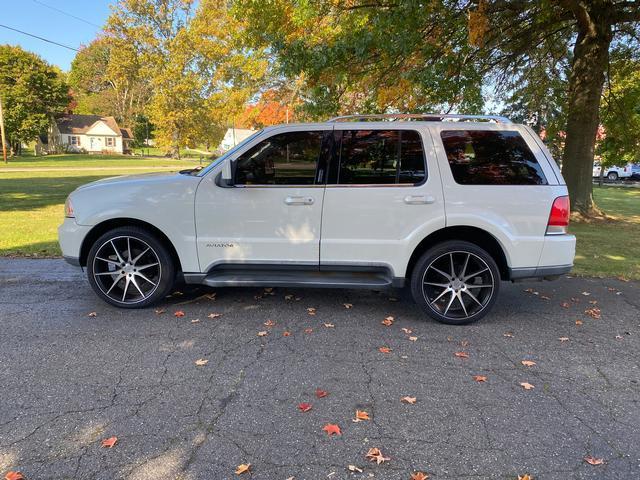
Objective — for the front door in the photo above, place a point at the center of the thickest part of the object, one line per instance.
(272, 214)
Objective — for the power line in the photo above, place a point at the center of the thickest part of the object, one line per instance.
(39, 38)
(65, 13)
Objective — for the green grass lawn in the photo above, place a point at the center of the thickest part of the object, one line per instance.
(31, 208)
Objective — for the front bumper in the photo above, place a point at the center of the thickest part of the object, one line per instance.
(70, 236)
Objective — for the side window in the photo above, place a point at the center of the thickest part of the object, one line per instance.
(381, 157)
(484, 157)
(284, 159)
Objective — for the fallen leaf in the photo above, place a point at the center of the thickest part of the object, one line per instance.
(407, 330)
(579, 322)
(321, 393)
(329, 325)
(93, 314)
(211, 296)
(565, 304)
(409, 400)
(179, 314)
(201, 362)
(526, 385)
(461, 354)
(419, 476)
(257, 297)
(288, 297)
(526, 476)
(508, 334)
(243, 468)
(308, 330)
(353, 468)
(385, 350)
(159, 311)
(393, 299)
(564, 339)
(109, 442)
(586, 294)
(12, 475)
(305, 407)
(480, 378)
(528, 363)
(347, 305)
(544, 297)
(593, 312)
(286, 333)
(311, 311)
(388, 321)
(195, 320)
(332, 429)
(269, 323)
(618, 337)
(269, 291)
(593, 461)
(375, 455)
(263, 333)
(413, 339)
(361, 415)
(214, 315)
(593, 302)
(464, 343)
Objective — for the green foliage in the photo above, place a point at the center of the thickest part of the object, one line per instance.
(31, 90)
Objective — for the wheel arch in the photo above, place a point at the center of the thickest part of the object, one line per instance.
(475, 235)
(103, 227)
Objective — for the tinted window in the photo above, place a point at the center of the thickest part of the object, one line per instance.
(285, 159)
(381, 157)
(480, 157)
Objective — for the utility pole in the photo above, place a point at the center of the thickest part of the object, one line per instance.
(4, 141)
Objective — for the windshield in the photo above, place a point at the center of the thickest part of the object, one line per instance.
(228, 153)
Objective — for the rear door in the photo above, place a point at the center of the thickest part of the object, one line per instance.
(383, 196)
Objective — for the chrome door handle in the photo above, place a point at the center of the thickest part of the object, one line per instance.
(418, 199)
(292, 200)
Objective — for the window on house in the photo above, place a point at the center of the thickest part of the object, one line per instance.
(110, 142)
(73, 140)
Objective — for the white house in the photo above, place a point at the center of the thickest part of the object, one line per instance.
(234, 136)
(88, 133)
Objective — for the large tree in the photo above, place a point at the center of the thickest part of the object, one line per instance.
(414, 55)
(32, 91)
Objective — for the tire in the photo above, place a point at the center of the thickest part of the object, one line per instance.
(460, 298)
(613, 176)
(130, 268)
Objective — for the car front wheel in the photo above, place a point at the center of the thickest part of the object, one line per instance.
(613, 176)
(455, 282)
(130, 268)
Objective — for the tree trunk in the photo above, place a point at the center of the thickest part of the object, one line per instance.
(591, 57)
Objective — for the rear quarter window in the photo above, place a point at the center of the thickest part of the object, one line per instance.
(486, 157)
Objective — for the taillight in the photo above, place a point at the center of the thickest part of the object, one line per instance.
(559, 216)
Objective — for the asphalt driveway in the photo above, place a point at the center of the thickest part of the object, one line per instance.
(68, 380)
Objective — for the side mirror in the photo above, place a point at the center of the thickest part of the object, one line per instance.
(227, 175)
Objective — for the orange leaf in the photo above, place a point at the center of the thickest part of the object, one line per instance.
(14, 476)
(286, 334)
(385, 350)
(593, 461)
(375, 455)
(409, 400)
(269, 323)
(305, 407)
(243, 468)
(578, 322)
(321, 393)
(179, 313)
(526, 476)
(201, 362)
(528, 363)
(480, 378)
(419, 476)
(526, 386)
(388, 321)
(461, 354)
(361, 415)
(109, 442)
(332, 429)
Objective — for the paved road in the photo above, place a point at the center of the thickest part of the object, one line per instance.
(69, 380)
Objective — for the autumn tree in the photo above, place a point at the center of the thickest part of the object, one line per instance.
(32, 91)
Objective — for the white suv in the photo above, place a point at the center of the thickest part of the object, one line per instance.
(448, 205)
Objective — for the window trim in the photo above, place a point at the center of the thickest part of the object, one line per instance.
(336, 153)
(446, 158)
(322, 160)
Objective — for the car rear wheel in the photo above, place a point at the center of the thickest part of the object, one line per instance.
(455, 282)
(130, 268)
(613, 176)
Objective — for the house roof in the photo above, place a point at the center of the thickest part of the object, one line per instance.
(127, 134)
(78, 124)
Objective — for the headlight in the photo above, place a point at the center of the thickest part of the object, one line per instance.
(68, 208)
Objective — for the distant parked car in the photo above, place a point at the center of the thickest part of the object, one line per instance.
(613, 173)
(635, 171)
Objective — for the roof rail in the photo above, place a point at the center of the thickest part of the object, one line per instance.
(426, 117)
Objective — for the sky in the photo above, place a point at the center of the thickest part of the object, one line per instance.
(37, 18)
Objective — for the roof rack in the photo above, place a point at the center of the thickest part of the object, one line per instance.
(425, 117)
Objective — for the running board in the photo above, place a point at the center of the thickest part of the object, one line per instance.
(303, 278)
